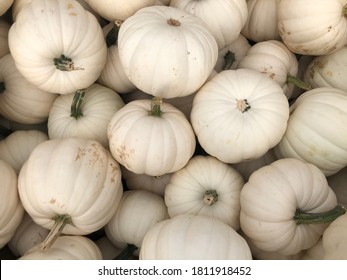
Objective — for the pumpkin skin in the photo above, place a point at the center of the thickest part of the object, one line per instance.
(4, 29)
(67, 248)
(11, 209)
(89, 119)
(313, 27)
(71, 176)
(28, 234)
(151, 144)
(227, 26)
(191, 237)
(160, 65)
(16, 148)
(49, 53)
(20, 101)
(269, 202)
(138, 211)
(239, 115)
(316, 130)
(205, 186)
(261, 23)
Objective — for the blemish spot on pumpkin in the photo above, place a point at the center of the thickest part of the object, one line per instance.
(173, 22)
(70, 5)
(330, 28)
(272, 76)
(72, 14)
(329, 73)
(80, 154)
(52, 201)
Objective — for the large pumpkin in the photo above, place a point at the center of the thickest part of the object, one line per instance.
(57, 45)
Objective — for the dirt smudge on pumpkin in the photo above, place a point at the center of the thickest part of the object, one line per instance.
(80, 154)
(53, 201)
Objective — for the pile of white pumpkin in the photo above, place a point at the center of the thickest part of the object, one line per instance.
(179, 129)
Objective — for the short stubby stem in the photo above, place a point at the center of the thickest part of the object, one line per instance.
(210, 197)
(173, 22)
(64, 63)
(301, 217)
(156, 107)
(2, 87)
(112, 35)
(242, 105)
(76, 111)
(229, 59)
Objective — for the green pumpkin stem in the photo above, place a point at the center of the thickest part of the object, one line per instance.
(60, 221)
(2, 87)
(76, 111)
(229, 59)
(64, 63)
(210, 197)
(126, 253)
(112, 35)
(297, 82)
(344, 10)
(156, 107)
(301, 217)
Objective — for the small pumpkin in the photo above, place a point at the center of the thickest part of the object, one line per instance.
(286, 206)
(57, 45)
(239, 115)
(151, 137)
(158, 52)
(205, 186)
(193, 237)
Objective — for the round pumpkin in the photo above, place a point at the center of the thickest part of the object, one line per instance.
(57, 45)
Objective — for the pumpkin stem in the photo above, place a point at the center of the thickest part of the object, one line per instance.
(297, 82)
(173, 22)
(2, 87)
(156, 107)
(76, 111)
(65, 63)
(301, 217)
(60, 221)
(229, 59)
(112, 35)
(344, 10)
(242, 105)
(126, 253)
(210, 197)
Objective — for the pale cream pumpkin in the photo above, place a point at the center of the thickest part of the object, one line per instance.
(151, 137)
(70, 185)
(338, 184)
(67, 248)
(159, 53)
(4, 29)
(11, 209)
(16, 148)
(286, 206)
(239, 115)
(85, 113)
(192, 237)
(205, 186)
(313, 27)
(261, 23)
(316, 130)
(57, 45)
(28, 234)
(20, 101)
(225, 19)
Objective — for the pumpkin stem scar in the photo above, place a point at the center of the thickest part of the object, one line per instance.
(297, 82)
(242, 105)
(229, 59)
(2, 87)
(173, 22)
(64, 63)
(126, 253)
(210, 197)
(76, 111)
(301, 217)
(60, 221)
(156, 107)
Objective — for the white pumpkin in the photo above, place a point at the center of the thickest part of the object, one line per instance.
(338, 184)
(328, 70)
(118, 9)
(70, 185)
(273, 59)
(57, 45)
(205, 186)
(225, 19)
(85, 113)
(192, 237)
(261, 23)
(67, 248)
(239, 115)
(151, 137)
(138, 211)
(4, 29)
(20, 101)
(286, 206)
(11, 209)
(158, 52)
(28, 234)
(313, 27)
(16, 148)
(316, 130)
